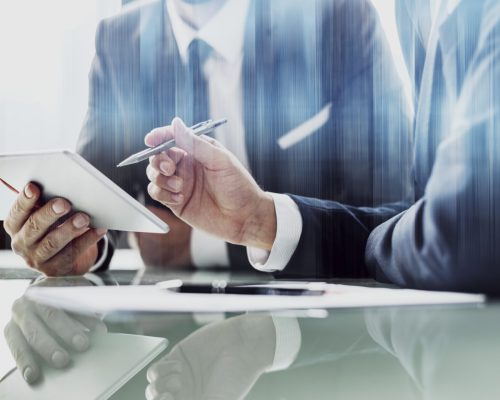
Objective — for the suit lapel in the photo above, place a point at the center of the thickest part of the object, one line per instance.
(427, 127)
(448, 39)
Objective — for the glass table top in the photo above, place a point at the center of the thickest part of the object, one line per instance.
(419, 352)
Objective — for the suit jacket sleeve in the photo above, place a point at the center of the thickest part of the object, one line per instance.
(98, 141)
(368, 140)
(449, 239)
(334, 238)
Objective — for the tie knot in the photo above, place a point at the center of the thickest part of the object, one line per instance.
(198, 52)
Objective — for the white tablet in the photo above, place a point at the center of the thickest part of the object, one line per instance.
(63, 173)
(112, 360)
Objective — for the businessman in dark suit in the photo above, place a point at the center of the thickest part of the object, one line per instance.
(314, 104)
(448, 238)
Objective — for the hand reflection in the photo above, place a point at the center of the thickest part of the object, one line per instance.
(38, 333)
(218, 361)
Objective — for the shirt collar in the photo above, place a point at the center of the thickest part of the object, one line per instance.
(225, 32)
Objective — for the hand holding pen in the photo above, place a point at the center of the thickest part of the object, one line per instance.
(208, 188)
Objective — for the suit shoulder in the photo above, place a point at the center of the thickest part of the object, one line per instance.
(127, 23)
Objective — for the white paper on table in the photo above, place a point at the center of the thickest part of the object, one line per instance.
(153, 299)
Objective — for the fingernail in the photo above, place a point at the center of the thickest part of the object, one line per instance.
(59, 359)
(165, 167)
(174, 184)
(80, 342)
(29, 375)
(59, 207)
(80, 221)
(177, 198)
(101, 231)
(28, 192)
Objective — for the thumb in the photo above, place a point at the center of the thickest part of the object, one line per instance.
(201, 149)
(158, 136)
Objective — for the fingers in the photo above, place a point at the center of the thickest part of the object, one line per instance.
(22, 353)
(57, 239)
(163, 396)
(72, 333)
(38, 336)
(164, 379)
(165, 186)
(158, 136)
(22, 209)
(38, 328)
(41, 221)
(203, 150)
(171, 183)
(167, 162)
(163, 368)
(66, 261)
(164, 388)
(165, 197)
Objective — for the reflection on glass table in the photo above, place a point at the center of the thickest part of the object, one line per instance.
(391, 353)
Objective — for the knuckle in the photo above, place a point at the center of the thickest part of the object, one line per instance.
(50, 315)
(32, 336)
(50, 244)
(33, 225)
(7, 330)
(152, 190)
(46, 248)
(7, 226)
(16, 209)
(16, 245)
(18, 307)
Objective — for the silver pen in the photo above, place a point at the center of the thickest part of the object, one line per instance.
(198, 130)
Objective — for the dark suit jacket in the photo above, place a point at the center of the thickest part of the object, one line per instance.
(448, 239)
(298, 58)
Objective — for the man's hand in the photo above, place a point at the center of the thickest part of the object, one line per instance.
(38, 330)
(68, 248)
(219, 361)
(165, 250)
(206, 186)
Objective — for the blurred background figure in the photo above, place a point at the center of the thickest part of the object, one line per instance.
(305, 90)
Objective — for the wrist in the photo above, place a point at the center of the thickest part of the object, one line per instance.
(260, 227)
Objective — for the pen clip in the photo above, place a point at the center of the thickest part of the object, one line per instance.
(201, 125)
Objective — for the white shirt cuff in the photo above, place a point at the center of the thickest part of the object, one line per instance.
(104, 254)
(288, 232)
(208, 250)
(288, 342)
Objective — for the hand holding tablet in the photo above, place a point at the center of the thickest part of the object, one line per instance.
(60, 216)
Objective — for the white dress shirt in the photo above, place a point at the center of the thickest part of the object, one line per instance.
(225, 33)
